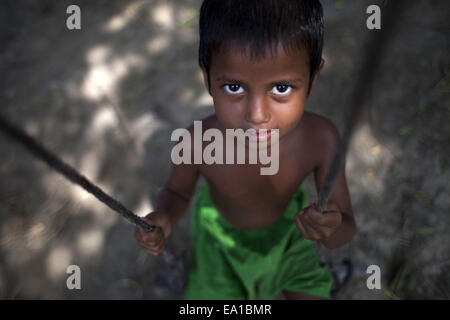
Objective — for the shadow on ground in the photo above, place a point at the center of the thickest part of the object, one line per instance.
(107, 97)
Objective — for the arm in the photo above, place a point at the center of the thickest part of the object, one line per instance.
(339, 198)
(336, 225)
(171, 204)
(174, 198)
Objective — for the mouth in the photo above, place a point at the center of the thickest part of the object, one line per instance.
(260, 135)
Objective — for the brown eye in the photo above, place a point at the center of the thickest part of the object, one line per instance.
(233, 88)
(281, 89)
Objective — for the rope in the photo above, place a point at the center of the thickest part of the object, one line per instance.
(373, 57)
(70, 173)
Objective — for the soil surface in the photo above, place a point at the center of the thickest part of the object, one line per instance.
(107, 97)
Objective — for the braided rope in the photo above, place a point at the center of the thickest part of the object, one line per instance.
(70, 173)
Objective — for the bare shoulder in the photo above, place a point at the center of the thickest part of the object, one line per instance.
(321, 132)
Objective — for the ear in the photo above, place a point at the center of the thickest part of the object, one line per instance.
(205, 77)
(316, 76)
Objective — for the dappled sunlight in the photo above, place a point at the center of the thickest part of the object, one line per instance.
(104, 119)
(368, 162)
(158, 44)
(102, 123)
(98, 54)
(142, 128)
(88, 204)
(144, 207)
(100, 80)
(59, 258)
(37, 236)
(106, 98)
(91, 164)
(89, 242)
(103, 76)
(163, 16)
(29, 241)
(86, 200)
(32, 128)
(121, 20)
(26, 234)
(204, 99)
(11, 234)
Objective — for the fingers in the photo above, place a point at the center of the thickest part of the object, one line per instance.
(307, 232)
(153, 242)
(159, 219)
(331, 216)
(304, 231)
(318, 226)
(154, 251)
(148, 238)
(324, 221)
(150, 242)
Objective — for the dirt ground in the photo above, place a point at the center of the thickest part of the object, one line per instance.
(107, 97)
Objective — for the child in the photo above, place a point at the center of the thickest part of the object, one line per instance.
(250, 232)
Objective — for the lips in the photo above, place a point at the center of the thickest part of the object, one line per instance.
(261, 135)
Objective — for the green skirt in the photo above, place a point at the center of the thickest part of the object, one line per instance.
(227, 263)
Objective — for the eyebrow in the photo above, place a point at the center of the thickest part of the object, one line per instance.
(284, 81)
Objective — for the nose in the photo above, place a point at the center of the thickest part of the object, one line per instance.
(257, 110)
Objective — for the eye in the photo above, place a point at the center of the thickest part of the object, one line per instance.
(282, 89)
(234, 88)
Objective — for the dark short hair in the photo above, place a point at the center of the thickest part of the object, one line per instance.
(259, 24)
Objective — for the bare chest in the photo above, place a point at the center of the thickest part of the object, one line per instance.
(249, 200)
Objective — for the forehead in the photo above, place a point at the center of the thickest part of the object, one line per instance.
(238, 59)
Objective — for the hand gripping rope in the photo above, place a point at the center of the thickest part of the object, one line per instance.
(373, 57)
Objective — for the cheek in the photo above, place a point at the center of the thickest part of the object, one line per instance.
(288, 116)
(227, 113)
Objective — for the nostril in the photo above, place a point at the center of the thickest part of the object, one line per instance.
(257, 118)
(257, 114)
